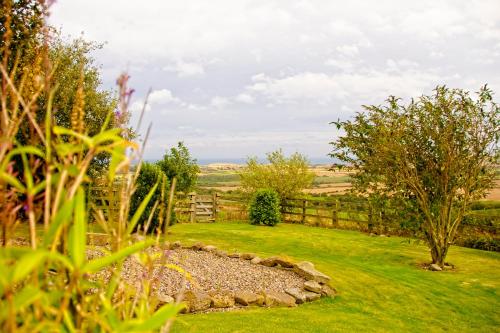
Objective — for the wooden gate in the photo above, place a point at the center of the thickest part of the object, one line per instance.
(199, 208)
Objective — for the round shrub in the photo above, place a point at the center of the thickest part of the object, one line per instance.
(265, 207)
(148, 176)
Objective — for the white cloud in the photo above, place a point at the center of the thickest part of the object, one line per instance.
(318, 60)
(348, 50)
(219, 102)
(245, 98)
(322, 89)
(162, 96)
(185, 69)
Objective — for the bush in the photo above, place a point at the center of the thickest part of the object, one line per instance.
(265, 207)
(149, 175)
(179, 164)
(288, 176)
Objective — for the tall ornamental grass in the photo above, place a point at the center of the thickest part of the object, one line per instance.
(51, 285)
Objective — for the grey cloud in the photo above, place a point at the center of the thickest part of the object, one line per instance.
(238, 77)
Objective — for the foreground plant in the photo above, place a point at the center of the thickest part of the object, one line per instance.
(438, 151)
(52, 285)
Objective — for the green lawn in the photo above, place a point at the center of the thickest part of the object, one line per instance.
(381, 286)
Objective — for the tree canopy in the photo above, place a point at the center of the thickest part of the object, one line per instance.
(288, 176)
(438, 150)
(179, 164)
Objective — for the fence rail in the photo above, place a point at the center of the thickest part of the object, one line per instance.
(339, 212)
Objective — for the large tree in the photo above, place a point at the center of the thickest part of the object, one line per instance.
(439, 150)
(179, 164)
(288, 176)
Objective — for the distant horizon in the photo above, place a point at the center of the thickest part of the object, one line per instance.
(243, 160)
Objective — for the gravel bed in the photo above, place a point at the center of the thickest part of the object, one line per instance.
(210, 273)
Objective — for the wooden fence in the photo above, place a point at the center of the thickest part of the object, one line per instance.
(197, 208)
(104, 198)
(343, 212)
(338, 212)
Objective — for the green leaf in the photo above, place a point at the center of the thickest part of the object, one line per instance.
(138, 213)
(31, 150)
(13, 181)
(117, 157)
(78, 232)
(66, 131)
(62, 218)
(27, 264)
(39, 187)
(100, 263)
(155, 322)
(22, 299)
(68, 148)
(68, 321)
(112, 135)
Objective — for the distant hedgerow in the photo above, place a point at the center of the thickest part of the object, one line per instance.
(265, 207)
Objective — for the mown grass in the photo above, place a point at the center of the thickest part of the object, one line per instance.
(381, 285)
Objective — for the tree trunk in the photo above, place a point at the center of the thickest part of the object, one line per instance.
(438, 254)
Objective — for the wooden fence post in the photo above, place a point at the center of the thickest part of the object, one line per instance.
(192, 207)
(215, 207)
(370, 218)
(335, 217)
(304, 202)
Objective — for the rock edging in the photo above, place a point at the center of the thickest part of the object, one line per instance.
(315, 286)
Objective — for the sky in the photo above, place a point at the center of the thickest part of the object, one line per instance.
(238, 78)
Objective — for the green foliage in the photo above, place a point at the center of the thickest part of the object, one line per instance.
(179, 164)
(75, 67)
(440, 150)
(52, 285)
(149, 176)
(288, 176)
(265, 207)
(485, 205)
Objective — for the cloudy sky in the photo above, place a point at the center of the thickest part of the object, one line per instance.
(236, 78)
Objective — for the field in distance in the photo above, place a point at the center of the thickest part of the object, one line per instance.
(224, 177)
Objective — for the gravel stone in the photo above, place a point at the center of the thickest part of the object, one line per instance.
(209, 272)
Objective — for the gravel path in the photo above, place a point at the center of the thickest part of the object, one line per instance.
(210, 272)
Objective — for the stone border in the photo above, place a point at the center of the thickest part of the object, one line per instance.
(315, 286)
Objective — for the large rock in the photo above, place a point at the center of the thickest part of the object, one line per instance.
(313, 286)
(220, 253)
(164, 299)
(326, 290)
(310, 296)
(274, 298)
(196, 300)
(248, 298)
(209, 248)
(435, 267)
(256, 260)
(298, 294)
(175, 245)
(222, 300)
(197, 246)
(248, 256)
(307, 271)
(274, 261)
(302, 296)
